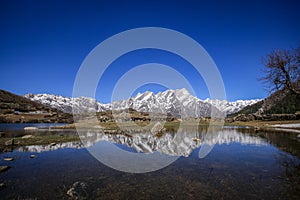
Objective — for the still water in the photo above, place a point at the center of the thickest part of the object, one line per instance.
(243, 164)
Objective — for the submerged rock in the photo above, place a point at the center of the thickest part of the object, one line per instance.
(3, 168)
(78, 191)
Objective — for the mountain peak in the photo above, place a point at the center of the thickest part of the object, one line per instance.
(182, 91)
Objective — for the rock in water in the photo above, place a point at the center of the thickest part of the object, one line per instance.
(8, 159)
(3, 168)
(78, 191)
(32, 156)
(30, 128)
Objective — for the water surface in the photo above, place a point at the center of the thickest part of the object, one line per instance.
(243, 164)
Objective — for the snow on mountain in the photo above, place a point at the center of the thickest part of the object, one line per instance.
(65, 104)
(175, 102)
(231, 107)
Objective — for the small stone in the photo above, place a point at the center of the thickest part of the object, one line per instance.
(3, 168)
(10, 142)
(32, 156)
(8, 159)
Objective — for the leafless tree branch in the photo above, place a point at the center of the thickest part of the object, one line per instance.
(281, 70)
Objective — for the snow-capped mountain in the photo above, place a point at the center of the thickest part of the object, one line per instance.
(175, 102)
(65, 104)
(231, 107)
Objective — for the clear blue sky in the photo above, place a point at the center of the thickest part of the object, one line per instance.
(43, 43)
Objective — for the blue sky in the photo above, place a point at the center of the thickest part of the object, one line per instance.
(43, 43)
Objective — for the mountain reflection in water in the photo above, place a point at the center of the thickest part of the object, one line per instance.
(180, 143)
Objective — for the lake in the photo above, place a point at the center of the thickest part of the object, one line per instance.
(243, 164)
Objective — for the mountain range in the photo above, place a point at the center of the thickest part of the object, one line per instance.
(175, 102)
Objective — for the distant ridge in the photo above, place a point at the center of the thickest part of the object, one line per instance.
(10, 103)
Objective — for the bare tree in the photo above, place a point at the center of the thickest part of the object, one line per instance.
(282, 70)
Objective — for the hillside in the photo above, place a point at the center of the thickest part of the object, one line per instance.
(17, 109)
(280, 102)
(281, 105)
